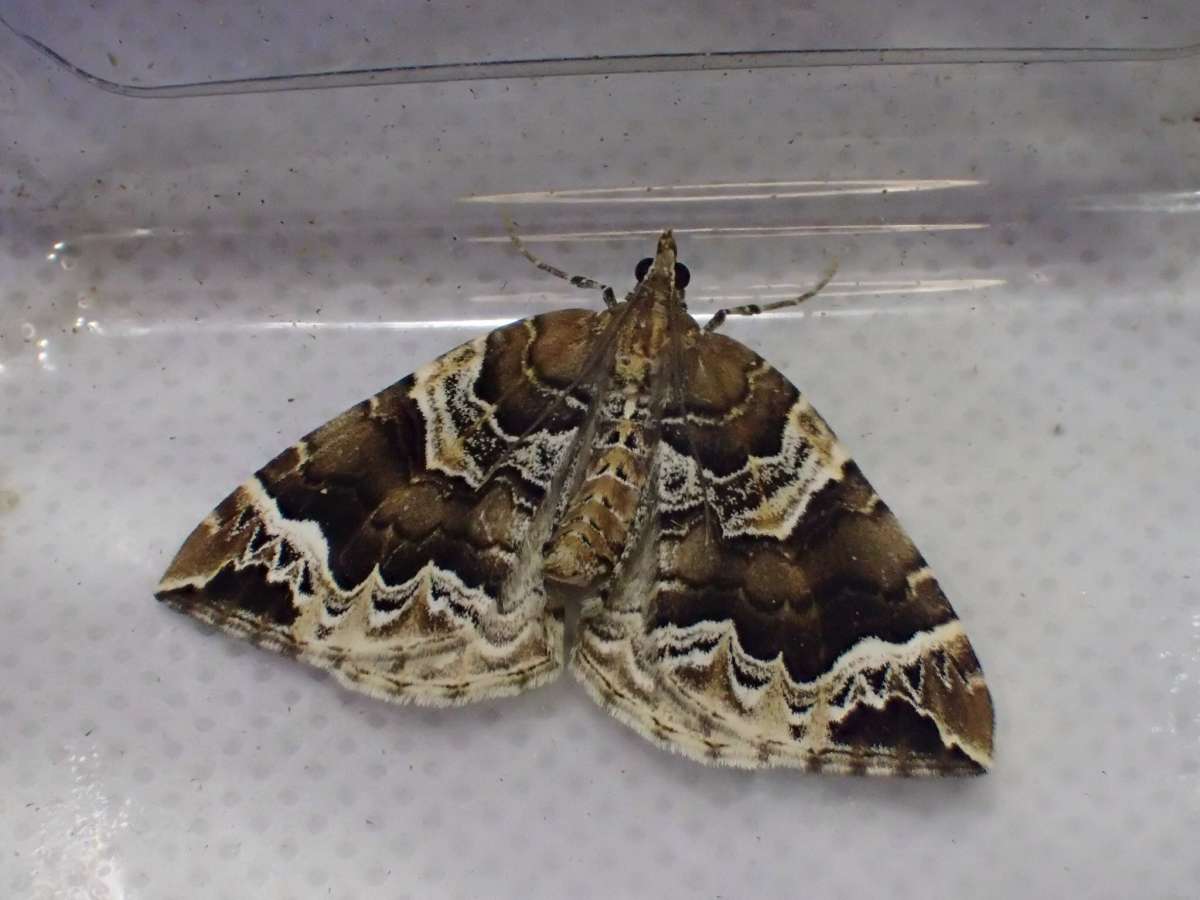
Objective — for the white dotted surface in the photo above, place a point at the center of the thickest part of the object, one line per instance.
(1009, 349)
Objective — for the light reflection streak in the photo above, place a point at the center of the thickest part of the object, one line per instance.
(782, 290)
(120, 329)
(763, 231)
(89, 325)
(859, 288)
(118, 234)
(43, 354)
(77, 853)
(64, 249)
(1150, 201)
(728, 190)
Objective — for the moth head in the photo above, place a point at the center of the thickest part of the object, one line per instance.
(663, 270)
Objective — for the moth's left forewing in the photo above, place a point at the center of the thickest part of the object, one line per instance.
(398, 545)
(775, 612)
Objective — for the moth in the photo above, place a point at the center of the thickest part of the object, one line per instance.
(742, 594)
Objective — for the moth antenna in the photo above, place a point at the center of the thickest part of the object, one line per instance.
(753, 309)
(579, 281)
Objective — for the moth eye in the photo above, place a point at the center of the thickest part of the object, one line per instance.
(642, 268)
(682, 276)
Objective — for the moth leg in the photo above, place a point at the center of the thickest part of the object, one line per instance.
(753, 309)
(580, 281)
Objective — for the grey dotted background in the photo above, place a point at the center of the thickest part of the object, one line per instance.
(1009, 349)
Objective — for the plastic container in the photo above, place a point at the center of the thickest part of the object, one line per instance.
(197, 266)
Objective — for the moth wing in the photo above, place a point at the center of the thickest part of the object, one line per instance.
(398, 545)
(774, 612)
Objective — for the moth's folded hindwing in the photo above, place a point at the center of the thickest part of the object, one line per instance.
(398, 545)
(775, 613)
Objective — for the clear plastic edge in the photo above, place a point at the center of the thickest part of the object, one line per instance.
(610, 65)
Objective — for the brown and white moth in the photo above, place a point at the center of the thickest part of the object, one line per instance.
(744, 596)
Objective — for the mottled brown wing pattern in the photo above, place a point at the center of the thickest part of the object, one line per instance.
(398, 545)
(747, 597)
(774, 612)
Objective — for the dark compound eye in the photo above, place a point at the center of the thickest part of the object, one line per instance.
(682, 275)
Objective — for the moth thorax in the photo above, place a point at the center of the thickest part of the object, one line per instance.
(633, 367)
